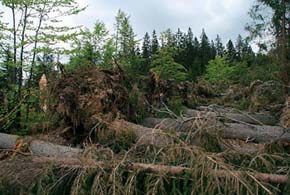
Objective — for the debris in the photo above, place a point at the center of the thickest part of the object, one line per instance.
(82, 96)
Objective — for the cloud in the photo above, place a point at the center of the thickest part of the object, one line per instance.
(224, 17)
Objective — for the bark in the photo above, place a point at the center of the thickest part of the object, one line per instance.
(149, 136)
(251, 118)
(284, 51)
(241, 146)
(39, 147)
(257, 133)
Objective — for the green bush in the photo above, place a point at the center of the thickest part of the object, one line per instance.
(166, 68)
(219, 71)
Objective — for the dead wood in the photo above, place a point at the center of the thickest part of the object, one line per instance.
(161, 169)
(149, 136)
(230, 115)
(45, 153)
(256, 133)
(37, 147)
(241, 146)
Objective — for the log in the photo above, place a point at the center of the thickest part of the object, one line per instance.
(173, 170)
(145, 135)
(70, 157)
(169, 124)
(39, 147)
(245, 117)
(261, 134)
(258, 133)
(241, 146)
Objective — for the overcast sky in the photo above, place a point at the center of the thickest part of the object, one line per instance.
(224, 17)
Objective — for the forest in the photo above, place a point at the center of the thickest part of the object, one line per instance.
(98, 111)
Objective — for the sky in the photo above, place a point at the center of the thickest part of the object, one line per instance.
(224, 17)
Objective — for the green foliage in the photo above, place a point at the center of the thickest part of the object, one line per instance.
(166, 68)
(92, 48)
(219, 71)
(261, 68)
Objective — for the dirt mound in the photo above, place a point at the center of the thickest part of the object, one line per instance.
(83, 96)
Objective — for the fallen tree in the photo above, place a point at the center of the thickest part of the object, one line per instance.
(75, 161)
(173, 170)
(256, 133)
(233, 116)
(37, 147)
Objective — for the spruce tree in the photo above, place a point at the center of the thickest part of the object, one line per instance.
(231, 51)
(196, 67)
(189, 52)
(205, 51)
(146, 53)
(220, 49)
(239, 48)
(154, 43)
(180, 44)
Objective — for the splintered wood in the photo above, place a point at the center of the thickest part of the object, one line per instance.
(285, 117)
(43, 92)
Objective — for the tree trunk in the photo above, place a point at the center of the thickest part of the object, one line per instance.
(285, 69)
(39, 147)
(224, 114)
(257, 133)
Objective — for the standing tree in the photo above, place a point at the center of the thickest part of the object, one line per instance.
(33, 24)
(205, 54)
(220, 49)
(92, 48)
(180, 44)
(231, 51)
(154, 43)
(239, 48)
(167, 39)
(125, 42)
(146, 54)
(278, 25)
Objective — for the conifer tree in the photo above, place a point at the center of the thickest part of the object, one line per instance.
(220, 49)
(239, 48)
(154, 43)
(231, 51)
(146, 53)
(125, 42)
(205, 54)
